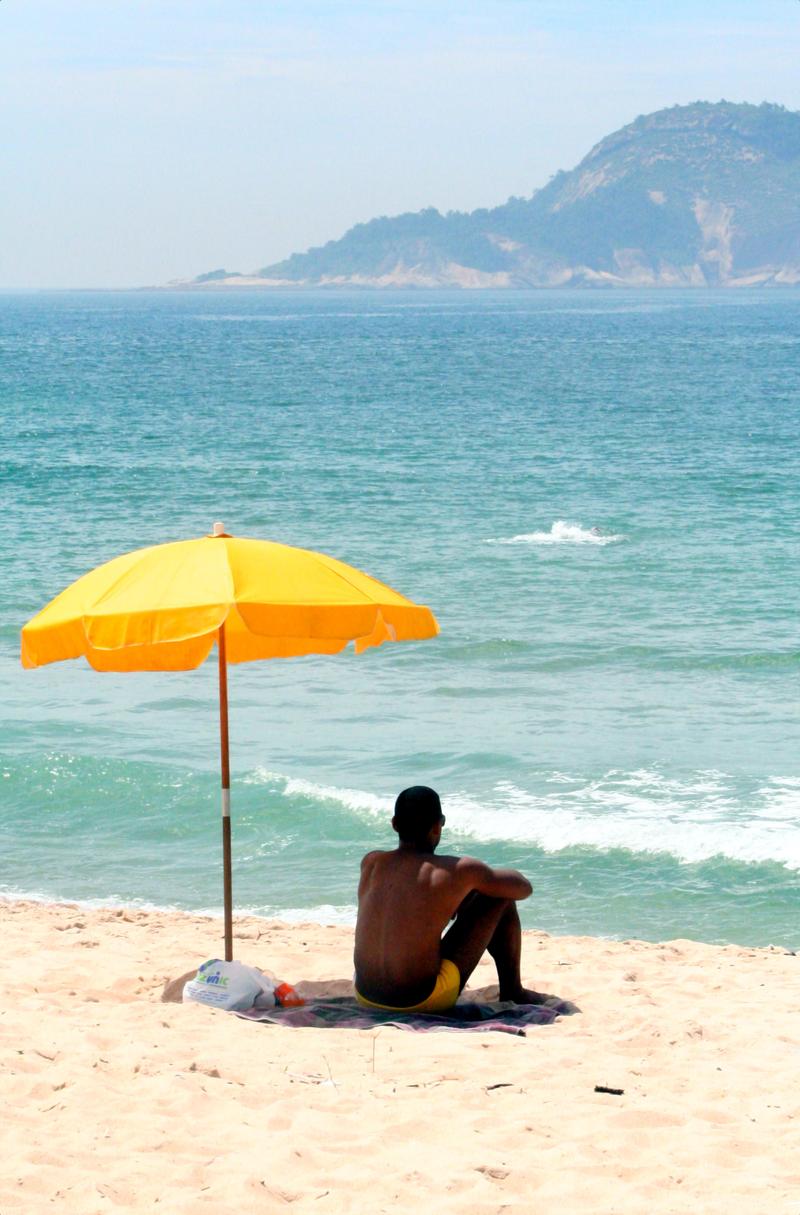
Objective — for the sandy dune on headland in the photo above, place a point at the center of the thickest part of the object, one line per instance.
(116, 1101)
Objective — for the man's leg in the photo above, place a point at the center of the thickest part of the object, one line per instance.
(485, 923)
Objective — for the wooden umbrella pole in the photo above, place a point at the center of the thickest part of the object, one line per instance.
(226, 793)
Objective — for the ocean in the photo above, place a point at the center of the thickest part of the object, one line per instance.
(597, 493)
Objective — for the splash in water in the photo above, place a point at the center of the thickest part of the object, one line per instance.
(562, 533)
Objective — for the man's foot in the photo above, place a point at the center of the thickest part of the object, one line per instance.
(524, 995)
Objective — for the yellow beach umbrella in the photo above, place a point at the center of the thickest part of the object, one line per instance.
(163, 609)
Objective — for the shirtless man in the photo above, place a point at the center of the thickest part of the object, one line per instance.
(405, 900)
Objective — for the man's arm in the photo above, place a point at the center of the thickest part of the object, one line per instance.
(497, 883)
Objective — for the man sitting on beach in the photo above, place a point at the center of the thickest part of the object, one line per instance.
(405, 900)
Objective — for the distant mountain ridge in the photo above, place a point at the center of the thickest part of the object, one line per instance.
(698, 195)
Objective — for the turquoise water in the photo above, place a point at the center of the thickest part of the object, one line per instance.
(597, 493)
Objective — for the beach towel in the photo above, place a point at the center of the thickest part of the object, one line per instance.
(342, 1013)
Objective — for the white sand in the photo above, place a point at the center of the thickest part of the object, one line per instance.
(116, 1101)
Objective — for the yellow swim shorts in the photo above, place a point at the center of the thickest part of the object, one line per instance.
(444, 995)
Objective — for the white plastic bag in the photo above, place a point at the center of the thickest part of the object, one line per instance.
(231, 986)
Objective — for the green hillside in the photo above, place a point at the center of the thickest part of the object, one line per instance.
(699, 195)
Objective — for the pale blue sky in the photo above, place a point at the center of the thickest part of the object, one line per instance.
(146, 140)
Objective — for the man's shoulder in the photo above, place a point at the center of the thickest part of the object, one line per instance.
(458, 867)
(446, 861)
(369, 858)
(471, 864)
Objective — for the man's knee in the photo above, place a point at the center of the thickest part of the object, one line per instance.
(477, 905)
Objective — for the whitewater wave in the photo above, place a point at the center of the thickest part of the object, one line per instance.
(691, 820)
(20, 894)
(562, 533)
(642, 813)
(321, 913)
(351, 799)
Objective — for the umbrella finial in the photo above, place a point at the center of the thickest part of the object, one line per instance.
(219, 529)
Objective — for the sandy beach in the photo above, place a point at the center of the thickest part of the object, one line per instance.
(116, 1100)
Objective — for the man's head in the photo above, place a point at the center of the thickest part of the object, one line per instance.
(418, 818)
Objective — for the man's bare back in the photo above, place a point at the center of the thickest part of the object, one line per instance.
(407, 897)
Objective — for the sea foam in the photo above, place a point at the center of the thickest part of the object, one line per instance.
(645, 812)
(561, 533)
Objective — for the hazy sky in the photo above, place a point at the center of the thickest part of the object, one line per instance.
(146, 140)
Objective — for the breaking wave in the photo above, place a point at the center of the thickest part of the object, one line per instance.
(691, 820)
(562, 533)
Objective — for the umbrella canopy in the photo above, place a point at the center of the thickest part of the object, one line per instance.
(163, 608)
